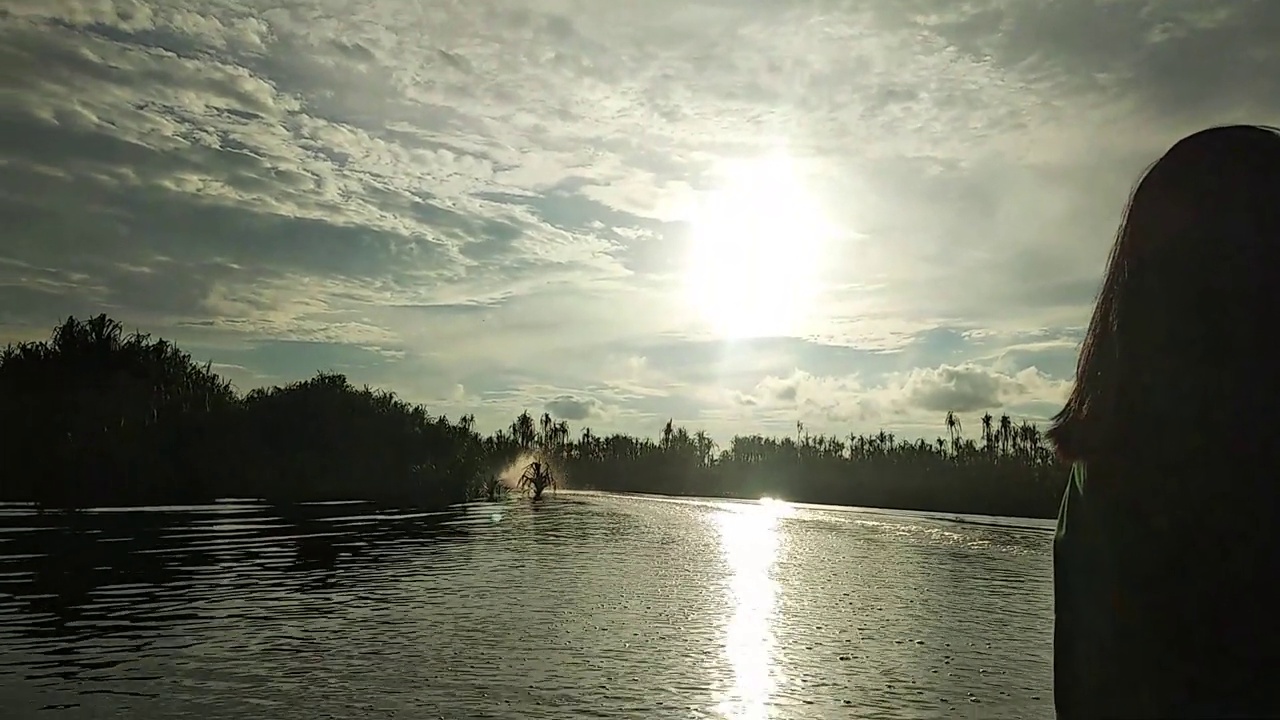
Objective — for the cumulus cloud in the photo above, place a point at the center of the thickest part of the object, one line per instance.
(501, 195)
(970, 388)
(569, 407)
(915, 399)
(843, 400)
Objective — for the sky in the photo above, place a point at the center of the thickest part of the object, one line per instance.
(732, 213)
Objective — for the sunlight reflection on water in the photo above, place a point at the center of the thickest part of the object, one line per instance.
(750, 541)
(586, 605)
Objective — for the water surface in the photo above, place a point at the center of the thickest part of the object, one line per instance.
(585, 606)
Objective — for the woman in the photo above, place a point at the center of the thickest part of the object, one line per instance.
(1166, 604)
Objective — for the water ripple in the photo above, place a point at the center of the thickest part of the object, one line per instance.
(589, 605)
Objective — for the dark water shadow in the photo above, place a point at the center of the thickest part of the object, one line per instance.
(83, 592)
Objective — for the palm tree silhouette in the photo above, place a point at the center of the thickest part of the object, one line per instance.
(953, 431)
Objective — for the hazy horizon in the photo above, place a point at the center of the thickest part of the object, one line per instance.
(857, 215)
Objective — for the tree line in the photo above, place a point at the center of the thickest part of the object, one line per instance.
(97, 416)
(1009, 472)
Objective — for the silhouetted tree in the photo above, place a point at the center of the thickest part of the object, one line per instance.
(95, 413)
(98, 416)
(871, 470)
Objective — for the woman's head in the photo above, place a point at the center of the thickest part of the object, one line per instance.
(1177, 349)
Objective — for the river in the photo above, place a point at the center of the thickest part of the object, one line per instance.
(584, 606)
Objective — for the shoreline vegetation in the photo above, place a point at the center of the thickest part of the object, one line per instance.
(95, 416)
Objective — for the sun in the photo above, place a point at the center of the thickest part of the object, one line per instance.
(756, 251)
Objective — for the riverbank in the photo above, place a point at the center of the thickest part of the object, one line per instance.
(996, 521)
(1049, 513)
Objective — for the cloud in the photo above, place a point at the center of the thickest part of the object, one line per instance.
(917, 399)
(970, 388)
(568, 407)
(824, 399)
(1116, 49)
(503, 195)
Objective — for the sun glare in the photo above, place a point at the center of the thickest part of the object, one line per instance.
(750, 539)
(757, 249)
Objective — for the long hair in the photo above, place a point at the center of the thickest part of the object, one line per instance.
(1178, 358)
